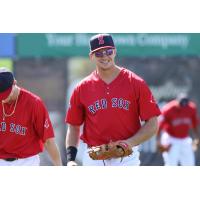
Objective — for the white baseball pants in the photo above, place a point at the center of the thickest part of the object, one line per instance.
(30, 161)
(181, 151)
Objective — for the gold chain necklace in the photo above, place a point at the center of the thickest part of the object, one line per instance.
(8, 115)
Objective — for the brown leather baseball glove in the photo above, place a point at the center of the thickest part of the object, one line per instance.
(111, 150)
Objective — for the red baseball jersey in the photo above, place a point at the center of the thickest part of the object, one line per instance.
(177, 120)
(110, 111)
(23, 134)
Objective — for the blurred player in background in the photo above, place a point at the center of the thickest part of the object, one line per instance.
(178, 117)
(25, 126)
(110, 102)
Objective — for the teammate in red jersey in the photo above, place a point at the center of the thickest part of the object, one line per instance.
(25, 126)
(111, 102)
(178, 117)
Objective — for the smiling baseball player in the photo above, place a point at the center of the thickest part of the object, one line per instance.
(110, 102)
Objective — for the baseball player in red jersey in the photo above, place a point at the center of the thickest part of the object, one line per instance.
(178, 117)
(111, 103)
(25, 126)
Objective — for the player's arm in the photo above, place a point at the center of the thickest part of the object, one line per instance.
(149, 129)
(196, 139)
(195, 128)
(45, 132)
(53, 151)
(72, 141)
(161, 126)
(148, 112)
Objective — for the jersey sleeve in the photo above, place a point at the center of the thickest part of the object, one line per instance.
(75, 111)
(42, 124)
(147, 105)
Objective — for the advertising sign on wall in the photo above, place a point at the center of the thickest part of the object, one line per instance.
(128, 44)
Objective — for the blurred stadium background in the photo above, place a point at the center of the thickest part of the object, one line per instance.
(50, 65)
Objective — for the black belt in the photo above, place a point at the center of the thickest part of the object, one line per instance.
(10, 159)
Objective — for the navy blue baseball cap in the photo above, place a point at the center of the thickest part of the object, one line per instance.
(183, 99)
(6, 82)
(101, 41)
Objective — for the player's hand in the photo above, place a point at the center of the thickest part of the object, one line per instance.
(161, 148)
(72, 163)
(158, 145)
(119, 142)
(125, 145)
